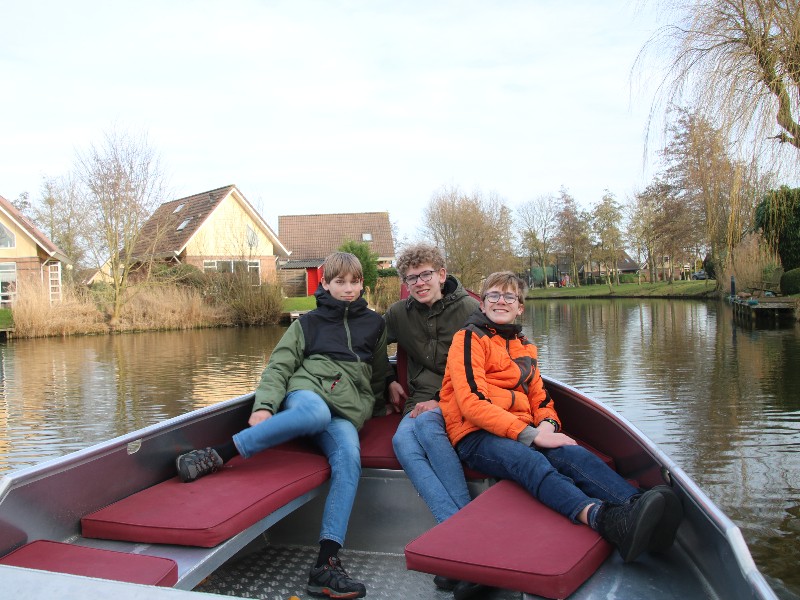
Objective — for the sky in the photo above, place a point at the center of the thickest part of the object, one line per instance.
(334, 106)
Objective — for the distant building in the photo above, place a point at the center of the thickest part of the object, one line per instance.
(217, 231)
(313, 237)
(26, 255)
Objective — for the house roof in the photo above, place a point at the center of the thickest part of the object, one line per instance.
(194, 210)
(303, 264)
(33, 232)
(317, 236)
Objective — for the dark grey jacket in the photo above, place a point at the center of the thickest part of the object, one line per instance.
(426, 334)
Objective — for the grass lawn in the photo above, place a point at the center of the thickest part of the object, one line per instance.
(6, 321)
(676, 289)
(300, 303)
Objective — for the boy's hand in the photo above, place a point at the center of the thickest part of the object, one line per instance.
(397, 397)
(259, 417)
(421, 407)
(549, 439)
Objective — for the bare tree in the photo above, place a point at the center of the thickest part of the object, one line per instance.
(538, 218)
(474, 231)
(573, 236)
(738, 60)
(606, 221)
(122, 183)
(59, 214)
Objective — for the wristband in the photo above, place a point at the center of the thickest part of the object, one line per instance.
(554, 423)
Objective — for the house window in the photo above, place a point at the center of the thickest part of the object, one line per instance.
(7, 239)
(253, 267)
(183, 225)
(8, 283)
(178, 209)
(366, 237)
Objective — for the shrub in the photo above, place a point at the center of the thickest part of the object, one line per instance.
(790, 282)
(250, 304)
(169, 307)
(181, 274)
(388, 272)
(368, 259)
(385, 293)
(628, 278)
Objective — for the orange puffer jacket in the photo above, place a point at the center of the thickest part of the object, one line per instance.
(492, 382)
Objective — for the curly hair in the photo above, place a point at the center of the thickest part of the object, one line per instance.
(419, 254)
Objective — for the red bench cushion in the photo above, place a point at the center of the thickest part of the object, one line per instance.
(46, 555)
(213, 509)
(376, 442)
(505, 538)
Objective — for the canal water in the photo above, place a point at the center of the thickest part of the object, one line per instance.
(722, 398)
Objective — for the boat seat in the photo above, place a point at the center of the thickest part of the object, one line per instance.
(506, 538)
(59, 557)
(213, 509)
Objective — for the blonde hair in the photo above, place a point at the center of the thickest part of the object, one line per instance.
(340, 264)
(506, 281)
(419, 254)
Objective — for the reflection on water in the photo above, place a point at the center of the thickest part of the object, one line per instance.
(60, 395)
(721, 399)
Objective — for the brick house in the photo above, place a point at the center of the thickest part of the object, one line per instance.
(313, 237)
(26, 255)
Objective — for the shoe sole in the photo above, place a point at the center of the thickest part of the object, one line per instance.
(650, 511)
(664, 535)
(322, 591)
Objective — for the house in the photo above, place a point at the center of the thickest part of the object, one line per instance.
(26, 255)
(215, 231)
(313, 237)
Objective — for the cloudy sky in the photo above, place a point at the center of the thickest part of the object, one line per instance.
(333, 106)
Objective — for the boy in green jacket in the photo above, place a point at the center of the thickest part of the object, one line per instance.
(324, 379)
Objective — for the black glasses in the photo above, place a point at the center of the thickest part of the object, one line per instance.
(412, 279)
(495, 296)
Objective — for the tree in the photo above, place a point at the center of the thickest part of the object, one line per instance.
(121, 184)
(368, 259)
(714, 194)
(22, 203)
(59, 214)
(572, 237)
(538, 219)
(740, 61)
(474, 232)
(778, 215)
(606, 219)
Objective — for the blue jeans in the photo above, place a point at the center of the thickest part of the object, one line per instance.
(422, 447)
(304, 413)
(567, 479)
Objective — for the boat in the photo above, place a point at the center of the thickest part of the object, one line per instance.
(270, 557)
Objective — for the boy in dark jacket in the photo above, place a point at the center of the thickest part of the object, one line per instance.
(324, 379)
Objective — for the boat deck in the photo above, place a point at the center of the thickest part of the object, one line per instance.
(279, 572)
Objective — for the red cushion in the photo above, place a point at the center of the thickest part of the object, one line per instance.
(505, 538)
(212, 509)
(376, 442)
(91, 562)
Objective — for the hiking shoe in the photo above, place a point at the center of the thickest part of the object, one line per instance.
(630, 526)
(333, 581)
(445, 583)
(664, 533)
(465, 590)
(197, 463)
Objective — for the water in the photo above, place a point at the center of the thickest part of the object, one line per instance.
(720, 398)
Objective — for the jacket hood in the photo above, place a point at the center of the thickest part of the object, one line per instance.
(481, 321)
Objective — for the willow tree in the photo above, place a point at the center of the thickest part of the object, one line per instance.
(473, 230)
(738, 60)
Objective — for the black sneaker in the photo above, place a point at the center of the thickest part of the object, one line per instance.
(466, 590)
(445, 583)
(197, 463)
(630, 526)
(664, 533)
(333, 581)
